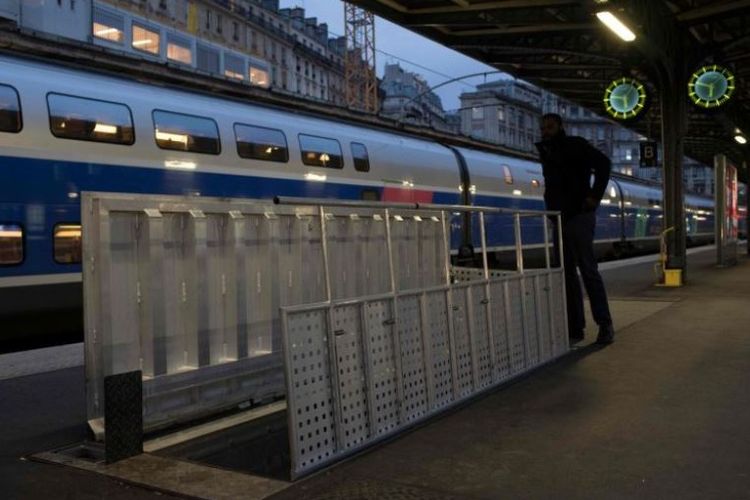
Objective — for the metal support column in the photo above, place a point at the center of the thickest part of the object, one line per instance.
(674, 125)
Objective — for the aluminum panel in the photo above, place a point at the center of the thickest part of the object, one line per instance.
(412, 359)
(501, 330)
(515, 324)
(465, 375)
(383, 393)
(559, 320)
(530, 331)
(437, 332)
(479, 302)
(347, 330)
(310, 398)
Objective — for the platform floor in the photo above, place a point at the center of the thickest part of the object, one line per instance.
(662, 413)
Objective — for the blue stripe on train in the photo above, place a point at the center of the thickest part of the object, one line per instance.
(35, 193)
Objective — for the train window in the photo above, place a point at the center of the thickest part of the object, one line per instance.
(10, 110)
(11, 244)
(234, 66)
(321, 152)
(186, 133)
(146, 39)
(67, 243)
(361, 157)
(261, 143)
(179, 48)
(108, 26)
(507, 174)
(84, 119)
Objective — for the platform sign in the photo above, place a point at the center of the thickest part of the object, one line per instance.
(649, 151)
(726, 212)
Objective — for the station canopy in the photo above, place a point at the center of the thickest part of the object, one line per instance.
(561, 46)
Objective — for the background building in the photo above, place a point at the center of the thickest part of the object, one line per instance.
(508, 112)
(407, 98)
(251, 41)
(503, 112)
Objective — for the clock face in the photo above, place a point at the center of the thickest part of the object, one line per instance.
(711, 86)
(625, 98)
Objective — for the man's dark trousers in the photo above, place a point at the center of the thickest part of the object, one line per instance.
(578, 252)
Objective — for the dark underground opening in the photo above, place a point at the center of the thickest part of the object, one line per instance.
(258, 447)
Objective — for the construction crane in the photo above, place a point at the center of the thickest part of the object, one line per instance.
(360, 78)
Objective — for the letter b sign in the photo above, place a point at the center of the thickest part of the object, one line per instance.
(648, 154)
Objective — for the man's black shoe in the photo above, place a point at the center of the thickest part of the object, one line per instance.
(606, 334)
(575, 337)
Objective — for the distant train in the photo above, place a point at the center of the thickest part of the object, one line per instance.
(64, 131)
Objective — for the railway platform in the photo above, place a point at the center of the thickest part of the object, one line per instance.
(661, 413)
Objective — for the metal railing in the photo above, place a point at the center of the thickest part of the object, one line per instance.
(190, 291)
(359, 369)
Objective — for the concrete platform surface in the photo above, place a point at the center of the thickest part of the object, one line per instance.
(664, 412)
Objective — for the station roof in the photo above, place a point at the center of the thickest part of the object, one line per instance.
(560, 46)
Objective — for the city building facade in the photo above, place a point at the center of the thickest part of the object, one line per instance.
(407, 98)
(508, 112)
(503, 112)
(250, 41)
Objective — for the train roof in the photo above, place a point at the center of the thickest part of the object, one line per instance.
(107, 62)
(19, 42)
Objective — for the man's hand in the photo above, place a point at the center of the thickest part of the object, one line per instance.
(590, 204)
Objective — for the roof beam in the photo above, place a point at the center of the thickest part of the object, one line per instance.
(700, 14)
(516, 30)
(464, 6)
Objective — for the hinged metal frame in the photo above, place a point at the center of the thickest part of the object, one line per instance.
(488, 339)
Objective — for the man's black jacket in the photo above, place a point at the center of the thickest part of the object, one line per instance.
(567, 164)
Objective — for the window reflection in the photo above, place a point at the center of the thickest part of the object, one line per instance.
(145, 39)
(186, 133)
(10, 110)
(321, 151)
(361, 157)
(258, 76)
(90, 120)
(179, 49)
(11, 244)
(108, 26)
(67, 242)
(261, 143)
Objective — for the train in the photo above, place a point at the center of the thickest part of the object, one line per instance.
(65, 130)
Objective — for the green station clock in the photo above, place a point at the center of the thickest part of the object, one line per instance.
(625, 98)
(711, 86)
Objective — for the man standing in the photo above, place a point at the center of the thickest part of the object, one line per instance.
(568, 163)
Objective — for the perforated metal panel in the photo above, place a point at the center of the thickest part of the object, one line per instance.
(559, 320)
(383, 383)
(372, 344)
(465, 375)
(310, 398)
(412, 359)
(437, 328)
(530, 321)
(478, 309)
(347, 330)
(515, 326)
(501, 330)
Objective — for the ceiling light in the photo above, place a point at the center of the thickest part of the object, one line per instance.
(618, 27)
(740, 139)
